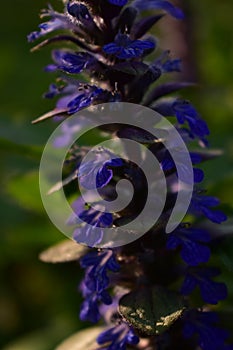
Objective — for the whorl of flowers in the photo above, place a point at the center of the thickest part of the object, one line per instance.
(146, 292)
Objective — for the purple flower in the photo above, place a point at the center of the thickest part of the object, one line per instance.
(211, 292)
(92, 233)
(77, 97)
(53, 91)
(84, 21)
(166, 64)
(106, 48)
(70, 62)
(84, 99)
(119, 337)
(123, 47)
(58, 21)
(118, 2)
(152, 5)
(46, 28)
(192, 242)
(185, 113)
(198, 175)
(89, 310)
(78, 10)
(96, 171)
(96, 281)
(159, 5)
(168, 165)
(69, 128)
(200, 205)
(99, 263)
(203, 324)
(170, 66)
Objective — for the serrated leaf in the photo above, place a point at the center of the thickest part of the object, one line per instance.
(151, 310)
(64, 251)
(84, 340)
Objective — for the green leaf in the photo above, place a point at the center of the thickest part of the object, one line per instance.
(64, 251)
(84, 340)
(151, 310)
(34, 152)
(25, 190)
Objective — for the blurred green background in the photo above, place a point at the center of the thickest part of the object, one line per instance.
(38, 302)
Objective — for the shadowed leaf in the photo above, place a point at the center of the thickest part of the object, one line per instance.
(151, 310)
(165, 89)
(138, 135)
(127, 19)
(131, 68)
(144, 25)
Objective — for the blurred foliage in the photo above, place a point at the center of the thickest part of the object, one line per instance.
(38, 302)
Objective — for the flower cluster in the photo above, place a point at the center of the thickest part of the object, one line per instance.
(111, 58)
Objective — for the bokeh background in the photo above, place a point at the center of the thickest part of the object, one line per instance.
(39, 303)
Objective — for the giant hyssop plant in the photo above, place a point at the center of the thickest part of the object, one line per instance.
(157, 292)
